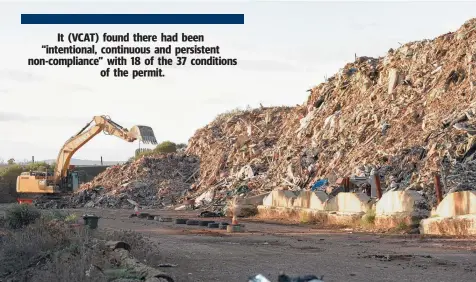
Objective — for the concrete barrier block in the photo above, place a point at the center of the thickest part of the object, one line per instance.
(254, 200)
(280, 198)
(462, 225)
(318, 200)
(401, 203)
(303, 199)
(311, 200)
(346, 202)
(457, 203)
(246, 206)
(242, 210)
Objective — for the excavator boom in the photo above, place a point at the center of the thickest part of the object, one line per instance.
(31, 183)
(109, 127)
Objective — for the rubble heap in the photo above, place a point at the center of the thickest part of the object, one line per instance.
(406, 115)
(152, 181)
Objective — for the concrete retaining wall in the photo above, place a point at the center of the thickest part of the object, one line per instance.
(344, 202)
(343, 209)
(455, 215)
(87, 173)
(304, 215)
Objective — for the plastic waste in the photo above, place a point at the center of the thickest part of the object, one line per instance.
(258, 278)
(319, 184)
(284, 278)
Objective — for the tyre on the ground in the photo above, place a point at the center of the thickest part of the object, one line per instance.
(213, 225)
(180, 221)
(206, 222)
(192, 222)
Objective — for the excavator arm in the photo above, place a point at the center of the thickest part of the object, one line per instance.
(109, 127)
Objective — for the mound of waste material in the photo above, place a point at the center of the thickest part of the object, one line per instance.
(152, 181)
(405, 116)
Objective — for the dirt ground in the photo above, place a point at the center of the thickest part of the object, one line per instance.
(201, 254)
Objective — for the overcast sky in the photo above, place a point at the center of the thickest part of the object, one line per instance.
(283, 49)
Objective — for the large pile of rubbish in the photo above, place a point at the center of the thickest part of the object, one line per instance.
(153, 181)
(405, 116)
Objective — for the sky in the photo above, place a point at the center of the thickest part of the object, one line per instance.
(283, 49)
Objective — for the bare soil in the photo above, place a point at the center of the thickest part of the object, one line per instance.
(197, 253)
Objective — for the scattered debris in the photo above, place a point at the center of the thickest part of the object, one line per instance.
(167, 265)
(158, 181)
(391, 257)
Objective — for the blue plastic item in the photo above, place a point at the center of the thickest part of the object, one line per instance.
(318, 184)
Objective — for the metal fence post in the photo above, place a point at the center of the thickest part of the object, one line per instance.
(439, 196)
(377, 185)
(347, 184)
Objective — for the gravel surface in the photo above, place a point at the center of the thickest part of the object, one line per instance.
(197, 253)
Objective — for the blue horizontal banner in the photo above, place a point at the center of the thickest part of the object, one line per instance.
(132, 18)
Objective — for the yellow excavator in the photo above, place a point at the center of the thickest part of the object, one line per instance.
(64, 180)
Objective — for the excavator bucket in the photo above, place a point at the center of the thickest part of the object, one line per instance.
(144, 134)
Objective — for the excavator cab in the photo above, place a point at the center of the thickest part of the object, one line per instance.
(73, 181)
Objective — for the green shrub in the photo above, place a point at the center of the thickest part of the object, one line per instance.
(55, 215)
(71, 218)
(166, 147)
(21, 215)
(402, 226)
(50, 251)
(369, 217)
(10, 173)
(163, 148)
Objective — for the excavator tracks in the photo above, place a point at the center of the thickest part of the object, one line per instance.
(42, 201)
